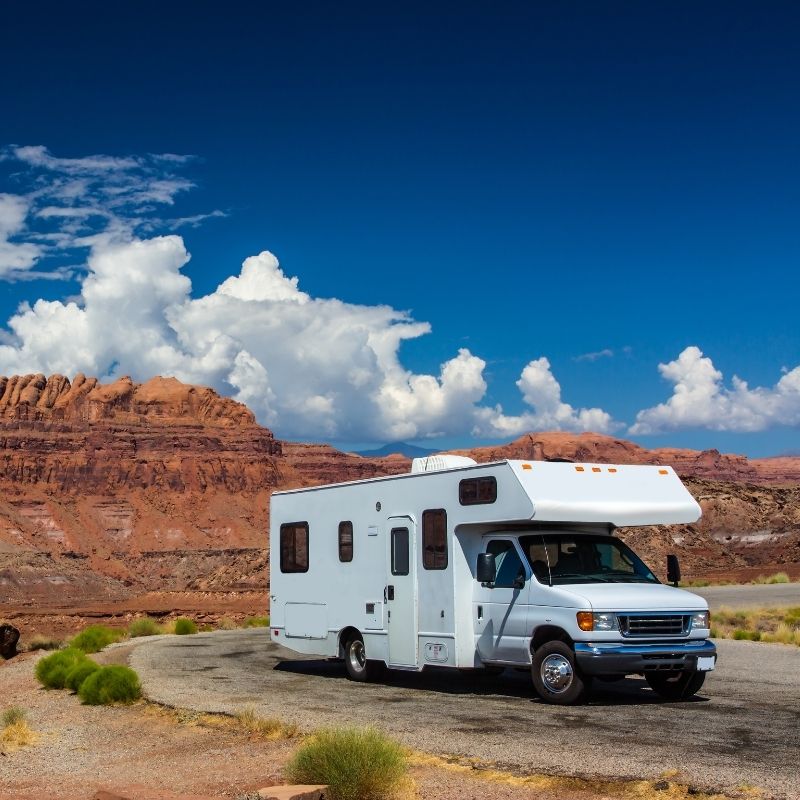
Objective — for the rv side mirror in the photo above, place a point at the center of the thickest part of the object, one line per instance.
(673, 569)
(487, 568)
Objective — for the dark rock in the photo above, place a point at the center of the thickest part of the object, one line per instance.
(9, 636)
(661, 786)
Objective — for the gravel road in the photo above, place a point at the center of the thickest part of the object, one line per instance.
(772, 595)
(744, 728)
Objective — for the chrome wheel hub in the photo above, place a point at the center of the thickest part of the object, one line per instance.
(358, 656)
(556, 673)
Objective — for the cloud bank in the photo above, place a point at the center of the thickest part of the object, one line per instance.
(307, 366)
(701, 400)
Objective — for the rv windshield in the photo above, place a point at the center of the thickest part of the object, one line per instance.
(561, 558)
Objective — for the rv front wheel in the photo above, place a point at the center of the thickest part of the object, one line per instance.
(355, 660)
(555, 675)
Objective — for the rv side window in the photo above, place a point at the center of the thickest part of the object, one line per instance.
(477, 491)
(294, 547)
(434, 539)
(345, 541)
(400, 559)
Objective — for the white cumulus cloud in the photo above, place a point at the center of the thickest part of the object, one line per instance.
(309, 367)
(701, 399)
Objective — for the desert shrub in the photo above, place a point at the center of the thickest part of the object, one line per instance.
(792, 616)
(17, 734)
(265, 727)
(79, 673)
(184, 626)
(94, 638)
(357, 764)
(752, 636)
(778, 577)
(144, 626)
(226, 624)
(206, 628)
(13, 715)
(257, 622)
(41, 642)
(52, 670)
(114, 684)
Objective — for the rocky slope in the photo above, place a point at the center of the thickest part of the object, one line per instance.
(161, 489)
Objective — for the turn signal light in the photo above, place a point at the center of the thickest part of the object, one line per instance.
(585, 620)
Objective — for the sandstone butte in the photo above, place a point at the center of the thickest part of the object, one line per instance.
(154, 497)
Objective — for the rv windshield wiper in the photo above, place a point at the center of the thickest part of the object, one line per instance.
(579, 575)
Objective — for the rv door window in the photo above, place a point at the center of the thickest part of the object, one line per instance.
(434, 539)
(345, 541)
(509, 564)
(294, 547)
(400, 546)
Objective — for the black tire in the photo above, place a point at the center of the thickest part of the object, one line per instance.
(675, 685)
(355, 661)
(556, 676)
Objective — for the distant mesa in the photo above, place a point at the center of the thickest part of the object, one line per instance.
(397, 449)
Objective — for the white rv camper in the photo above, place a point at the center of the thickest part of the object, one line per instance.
(467, 565)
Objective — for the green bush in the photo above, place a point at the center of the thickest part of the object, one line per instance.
(114, 684)
(79, 673)
(52, 670)
(778, 577)
(752, 636)
(13, 715)
(184, 626)
(94, 638)
(144, 626)
(257, 622)
(357, 764)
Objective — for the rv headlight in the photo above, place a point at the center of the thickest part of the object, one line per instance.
(589, 621)
(605, 622)
(701, 619)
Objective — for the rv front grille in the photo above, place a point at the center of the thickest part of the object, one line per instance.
(654, 624)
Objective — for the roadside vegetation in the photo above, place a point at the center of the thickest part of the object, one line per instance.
(256, 622)
(15, 732)
(356, 763)
(52, 670)
(184, 626)
(94, 638)
(112, 684)
(760, 580)
(265, 727)
(780, 625)
(144, 626)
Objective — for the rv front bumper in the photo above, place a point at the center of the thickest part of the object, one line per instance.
(612, 658)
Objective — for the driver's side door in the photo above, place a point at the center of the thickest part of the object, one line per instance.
(501, 611)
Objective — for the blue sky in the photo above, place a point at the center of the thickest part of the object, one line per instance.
(532, 180)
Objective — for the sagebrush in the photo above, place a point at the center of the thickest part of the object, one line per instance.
(52, 670)
(184, 626)
(79, 673)
(356, 763)
(94, 638)
(144, 626)
(112, 684)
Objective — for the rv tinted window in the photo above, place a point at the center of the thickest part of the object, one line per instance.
(294, 547)
(345, 541)
(476, 491)
(434, 539)
(400, 559)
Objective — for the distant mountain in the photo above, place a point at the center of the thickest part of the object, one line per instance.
(401, 448)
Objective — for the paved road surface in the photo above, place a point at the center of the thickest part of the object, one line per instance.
(744, 728)
(757, 596)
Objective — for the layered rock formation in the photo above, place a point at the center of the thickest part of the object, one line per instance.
(112, 493)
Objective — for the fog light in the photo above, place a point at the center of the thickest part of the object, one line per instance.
(585, 621)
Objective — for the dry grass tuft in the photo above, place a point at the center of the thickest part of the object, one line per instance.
(17, 734)
(41, 642)
(757, 625)
(265, 727)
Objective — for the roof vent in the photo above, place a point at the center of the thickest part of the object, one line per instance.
(436, 463)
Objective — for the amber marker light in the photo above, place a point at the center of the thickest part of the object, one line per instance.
(578, 469)
(585, 620)
(527, 466)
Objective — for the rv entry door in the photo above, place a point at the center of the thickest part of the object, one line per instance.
(401, 592)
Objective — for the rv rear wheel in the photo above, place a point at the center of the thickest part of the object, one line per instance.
(556, 676)
(356, 663)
